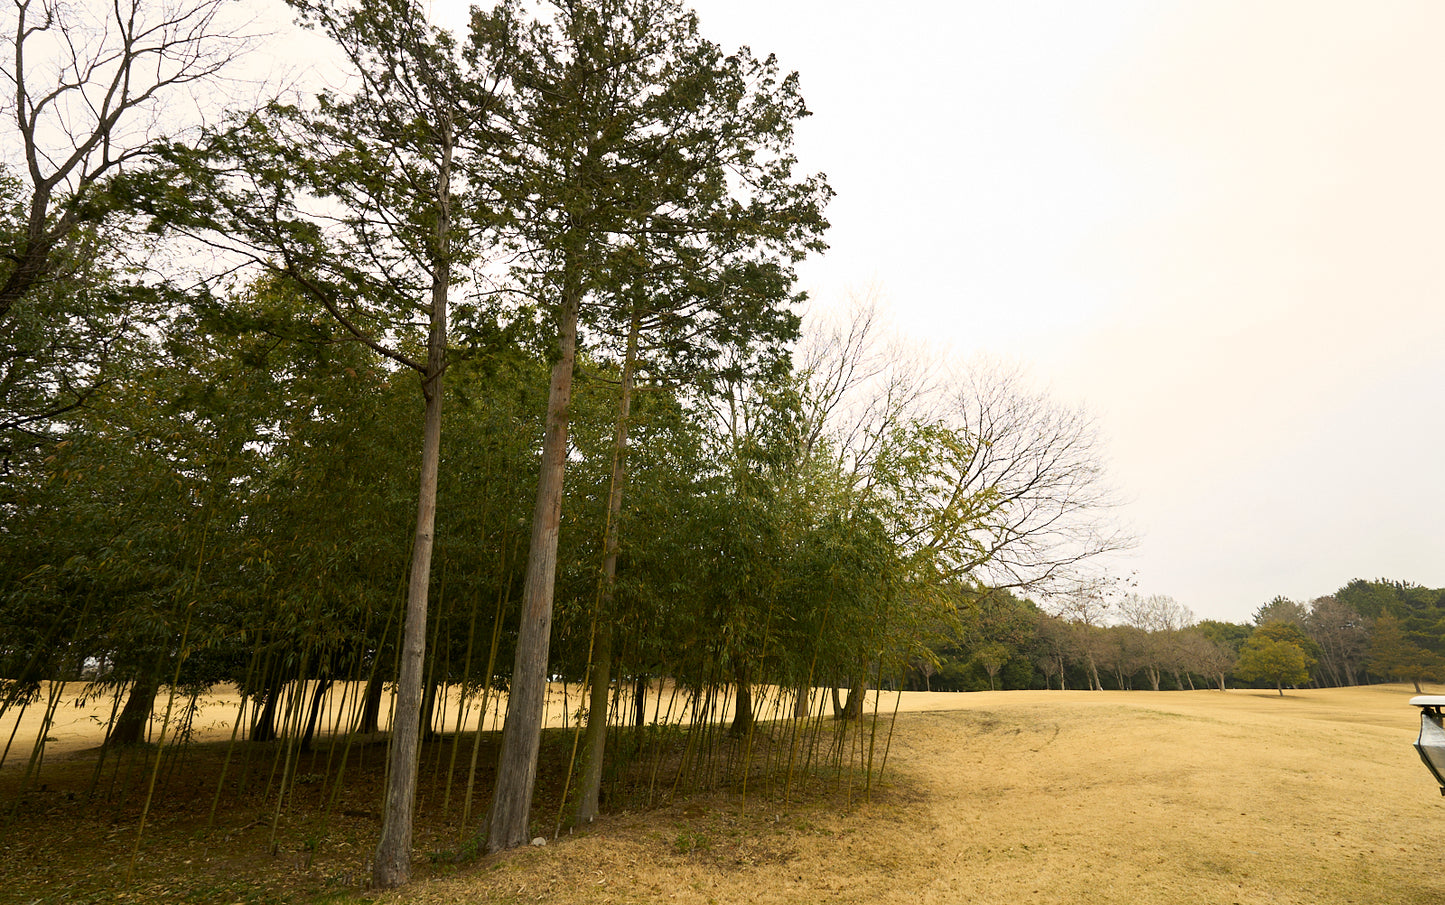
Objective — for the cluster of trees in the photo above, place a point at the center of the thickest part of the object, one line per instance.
(575, 234)
(1366, 631)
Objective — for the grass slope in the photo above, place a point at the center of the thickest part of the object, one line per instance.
(1008, 797)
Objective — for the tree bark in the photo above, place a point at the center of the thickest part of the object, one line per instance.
(314, 716)
(130, 726)
(743, 706)
(429, 710)
(595, 745)
(803, 701)
(853, 708)
(392, 865)
(522, 731)
(369, 720)
(263, 729)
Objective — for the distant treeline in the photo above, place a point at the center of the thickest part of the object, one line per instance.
(1367, 631)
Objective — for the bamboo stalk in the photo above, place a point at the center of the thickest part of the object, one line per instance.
(160, 741)
(100, 757)
(502, 596)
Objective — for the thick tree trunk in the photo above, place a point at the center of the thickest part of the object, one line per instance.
(130, 726)
(428, 711)
(596, 743)
(369, 720)
(803, 701)
(392, 865)
(522, 731)
(743, 703)
(314, 716)
(263, 727)
(853, 707)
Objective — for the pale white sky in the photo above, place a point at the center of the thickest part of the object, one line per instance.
(1215, 223)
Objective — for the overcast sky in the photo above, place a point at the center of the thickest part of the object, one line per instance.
(1218, 225)
(1215, 224)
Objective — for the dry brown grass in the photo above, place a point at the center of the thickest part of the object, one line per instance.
(1006, 797)
(1009, 797)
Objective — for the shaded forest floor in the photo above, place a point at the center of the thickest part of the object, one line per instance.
(1137, 797)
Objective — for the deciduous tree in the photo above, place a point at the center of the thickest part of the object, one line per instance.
(1268, 660)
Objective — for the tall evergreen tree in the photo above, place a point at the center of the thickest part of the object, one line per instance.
(634, 135)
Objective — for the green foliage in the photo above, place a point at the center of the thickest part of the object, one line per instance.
(1229, 634)
(1268, 659)
(1396, 654)
(1290, 633)
(1400, 599)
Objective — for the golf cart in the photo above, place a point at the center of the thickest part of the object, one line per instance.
(1431, 743)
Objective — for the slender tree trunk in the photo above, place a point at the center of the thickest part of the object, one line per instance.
(522, 731)
(596, 742)
(392, 865)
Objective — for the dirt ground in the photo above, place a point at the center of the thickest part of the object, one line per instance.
(998, 797)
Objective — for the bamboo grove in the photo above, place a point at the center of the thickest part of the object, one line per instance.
(576, 234)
